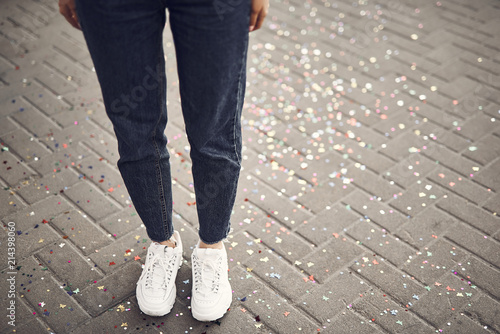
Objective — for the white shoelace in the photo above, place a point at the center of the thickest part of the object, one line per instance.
(154, 278)
(207, 276)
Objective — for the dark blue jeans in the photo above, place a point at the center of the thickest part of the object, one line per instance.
(124, 38)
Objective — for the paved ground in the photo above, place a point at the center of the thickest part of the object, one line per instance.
(368, 200)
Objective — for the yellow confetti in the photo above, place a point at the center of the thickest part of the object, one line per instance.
(124, 324)
(100, 287)
(265, 259)
(310, 264)
(62, 305)
(250, 252)
(40, 241)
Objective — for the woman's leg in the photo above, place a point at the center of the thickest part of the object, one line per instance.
(125, 41)
(211, 46)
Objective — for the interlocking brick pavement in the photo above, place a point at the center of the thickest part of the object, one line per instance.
(368, 200)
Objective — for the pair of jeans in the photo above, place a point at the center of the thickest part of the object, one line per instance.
(125, 38)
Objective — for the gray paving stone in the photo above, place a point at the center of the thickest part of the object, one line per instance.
(34, 120)
(110, 290)
(91, 200)
(421, 229)
(82, 232)
(269, 201)
(105, 177)
(127, 316)
(443, 136)
(399, 122)
(373, 209)
(47, 298)
(484, 275)
(485, 311)
(273, 309)
(327, 224)
(38, 188)
(399, 286)
(112, 257)
(434, 261)
(444, 157)
(326, 194)
(280, 240)
(485, 150)
(267, 266)
(15, 170)
(6, 126)
(35, 214)
(349, 323)
(59, 160)
(470, 214)
(325, 301)
(68, 265)
(103, 144)
(462, 324)
(373, 184)
(393, 318)
(330, 257)
(493, 204)
(444, 301)
(399, 148)
(489, 176)
(13, 201)
(381, 242)
(416, 199)
(477, 126)
(121, 222)
(476, 243)
(25, 145)
(23, 313)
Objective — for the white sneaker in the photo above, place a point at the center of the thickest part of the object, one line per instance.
(212, 294)
(156, 287)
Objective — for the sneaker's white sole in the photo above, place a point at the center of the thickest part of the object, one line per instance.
(159, 312)
(214, 315)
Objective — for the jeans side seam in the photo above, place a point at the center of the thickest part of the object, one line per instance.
(158, 156)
